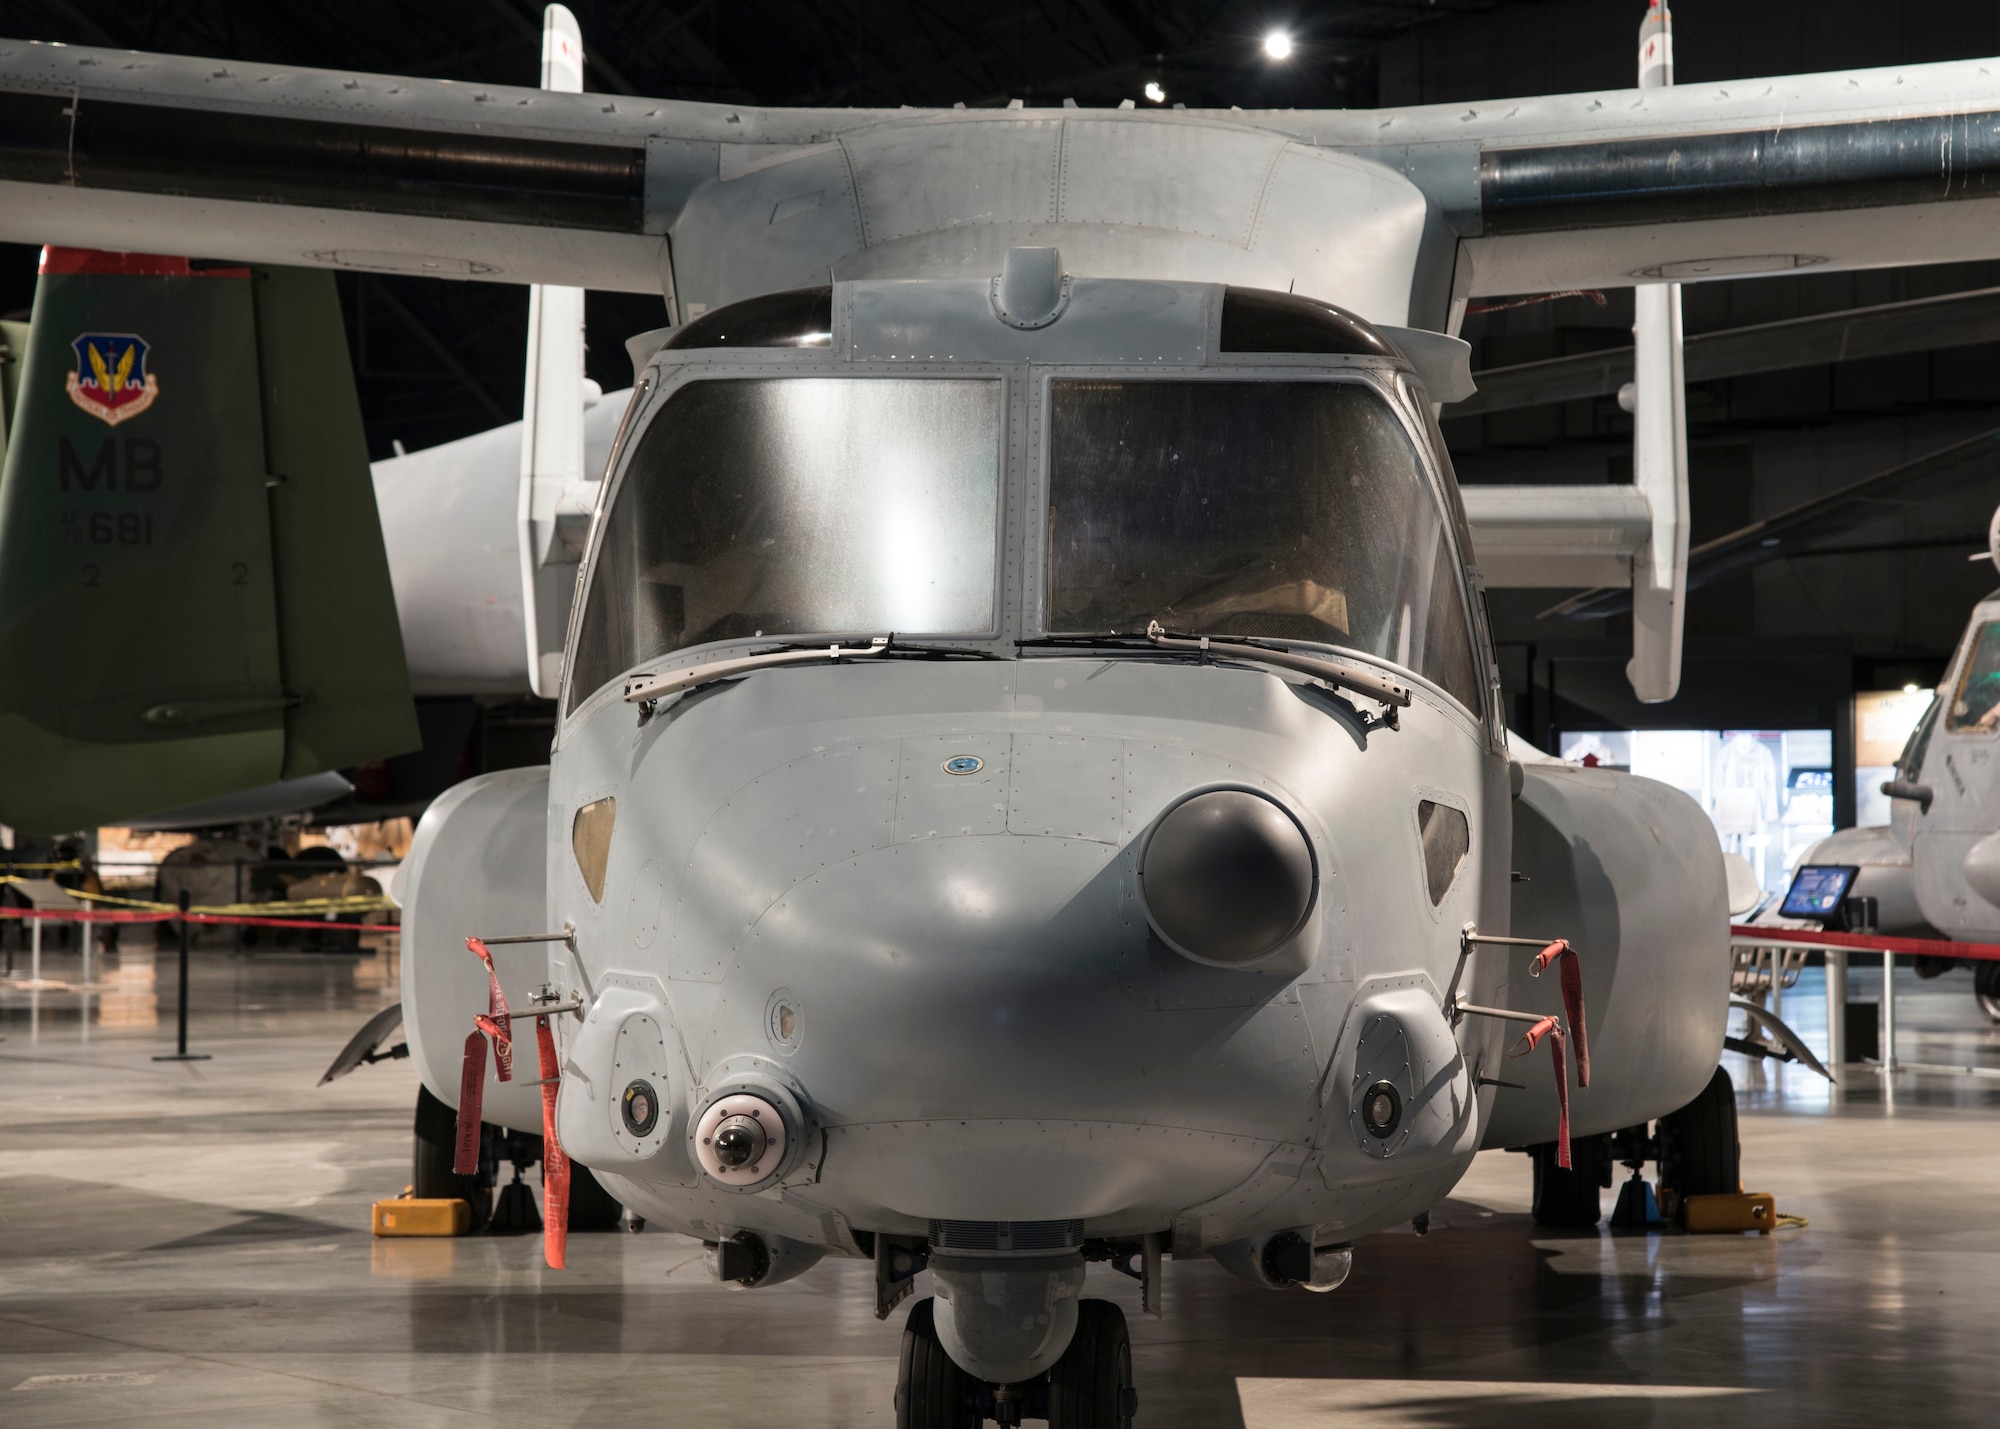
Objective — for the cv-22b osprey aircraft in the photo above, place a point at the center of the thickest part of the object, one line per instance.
(1030, 787)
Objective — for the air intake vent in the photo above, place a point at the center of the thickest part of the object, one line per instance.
(1006, 1235)
(1447, 838)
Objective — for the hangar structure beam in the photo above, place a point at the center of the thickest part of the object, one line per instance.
(1884, 330)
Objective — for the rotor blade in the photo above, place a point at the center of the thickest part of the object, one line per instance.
(1789, 532)
(1886, 330)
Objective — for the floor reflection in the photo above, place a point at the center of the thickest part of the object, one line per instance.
(203, 1226)
(132, 987)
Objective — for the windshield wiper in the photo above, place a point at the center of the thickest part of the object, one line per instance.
(645, 689)
(1392, 696)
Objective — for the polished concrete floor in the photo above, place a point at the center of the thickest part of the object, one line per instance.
(187, 1244)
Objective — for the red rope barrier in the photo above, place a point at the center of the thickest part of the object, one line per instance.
(65, 915)
(1868, 942)
(319, 923)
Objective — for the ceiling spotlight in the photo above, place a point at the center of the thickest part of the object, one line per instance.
(1154, 92)
(1278, 45)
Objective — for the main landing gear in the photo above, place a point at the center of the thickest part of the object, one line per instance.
(1090, 1387)
(591, 1207)
(1696, 1148)
(1986, 988)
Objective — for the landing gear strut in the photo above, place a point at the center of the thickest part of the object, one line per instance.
(1571, 1198)
(1698, 1155)
(1090, 1387)
(1699, 1151)
(591, 1207)
(1986, 988)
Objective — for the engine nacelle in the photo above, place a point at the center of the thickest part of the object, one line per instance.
(477, 866)
(1888, 874)
(1630, 871)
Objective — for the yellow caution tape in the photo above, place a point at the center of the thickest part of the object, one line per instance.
(358, 903)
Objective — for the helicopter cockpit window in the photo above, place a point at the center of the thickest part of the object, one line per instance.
(802, 317)
(1289, 510)
(798, 506)
(1975, 705)
(1910, 763)
(1254, 320)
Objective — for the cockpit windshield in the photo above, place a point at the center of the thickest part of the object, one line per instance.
(1290, 510)
(797, 506)
(1975, 704)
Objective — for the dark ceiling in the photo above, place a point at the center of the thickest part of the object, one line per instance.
(836, 52)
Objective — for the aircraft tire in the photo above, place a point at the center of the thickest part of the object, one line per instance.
(591, 1207)
(1571, 1199)
(932, 1392)
(1986, 988)
(431, 1176)
(1699, 1151)
(1090, 1387)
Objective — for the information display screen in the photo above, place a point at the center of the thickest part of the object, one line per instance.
(1818, 890)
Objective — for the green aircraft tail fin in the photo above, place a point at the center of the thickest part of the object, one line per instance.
(13, 348)
(194, 597)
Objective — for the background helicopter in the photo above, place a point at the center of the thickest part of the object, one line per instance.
(1934, 868)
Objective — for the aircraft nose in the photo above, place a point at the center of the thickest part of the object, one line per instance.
(1227, 877)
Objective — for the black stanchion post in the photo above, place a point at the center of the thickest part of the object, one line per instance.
(180, 1052)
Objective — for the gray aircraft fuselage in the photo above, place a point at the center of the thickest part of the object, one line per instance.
(896, 903)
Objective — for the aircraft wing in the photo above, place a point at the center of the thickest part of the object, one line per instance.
(117, 150)
(1882, 167)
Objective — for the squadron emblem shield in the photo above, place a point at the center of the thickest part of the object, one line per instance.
(111, 381)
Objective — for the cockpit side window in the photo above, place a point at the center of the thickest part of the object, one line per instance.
(798, 506)
(802, 317)
(1254, 320)
(1289, 510)
(1910, 763)
(1975, 704)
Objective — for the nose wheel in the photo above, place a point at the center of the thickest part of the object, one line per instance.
(931, 1391)
(1090, 1387)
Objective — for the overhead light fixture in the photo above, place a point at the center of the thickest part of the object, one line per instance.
(1278, 45)
(1154, 93)
(1913, 689)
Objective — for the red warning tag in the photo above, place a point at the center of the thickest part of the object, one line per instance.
(471, 1095)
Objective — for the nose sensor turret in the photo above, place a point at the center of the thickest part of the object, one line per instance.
(1227, 877)
(741, 1140)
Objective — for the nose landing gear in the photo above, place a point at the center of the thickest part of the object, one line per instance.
(1090, 1387)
